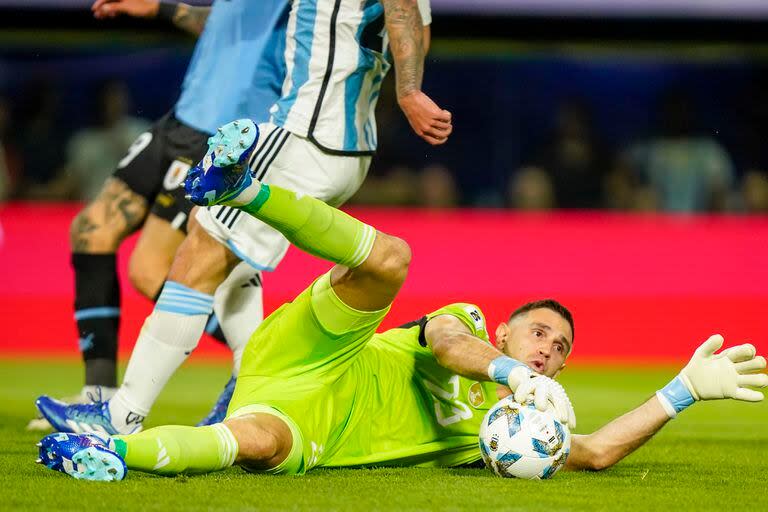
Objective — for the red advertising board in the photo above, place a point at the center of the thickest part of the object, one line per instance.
(641, 287)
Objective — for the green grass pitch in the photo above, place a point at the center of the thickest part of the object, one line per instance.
(713, 457)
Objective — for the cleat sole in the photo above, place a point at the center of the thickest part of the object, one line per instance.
(98, 464)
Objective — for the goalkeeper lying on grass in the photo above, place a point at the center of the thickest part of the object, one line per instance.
(319, 389)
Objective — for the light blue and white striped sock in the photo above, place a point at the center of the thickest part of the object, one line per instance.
(167, 338)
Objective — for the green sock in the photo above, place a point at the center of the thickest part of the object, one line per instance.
(313, 226)
(170, 450)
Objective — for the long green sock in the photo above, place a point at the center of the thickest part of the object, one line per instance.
(170, 450)
(312, 225)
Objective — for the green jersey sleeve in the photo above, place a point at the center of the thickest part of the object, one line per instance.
(469, 314)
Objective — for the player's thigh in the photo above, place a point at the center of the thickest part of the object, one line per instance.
(201, 262)
(315, 334)
(153, 255)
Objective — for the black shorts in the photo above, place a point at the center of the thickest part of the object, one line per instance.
(157, 163)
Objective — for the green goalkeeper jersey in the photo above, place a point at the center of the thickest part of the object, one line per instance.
(355, 398)
(414, 412)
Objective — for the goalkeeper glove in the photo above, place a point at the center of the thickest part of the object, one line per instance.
(524, 383)
(710, 376)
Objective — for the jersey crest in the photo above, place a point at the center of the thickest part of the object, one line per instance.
(476, 395)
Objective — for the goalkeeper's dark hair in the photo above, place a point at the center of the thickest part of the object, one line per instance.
(551, 304)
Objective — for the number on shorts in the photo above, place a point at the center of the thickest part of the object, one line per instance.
(141, 142)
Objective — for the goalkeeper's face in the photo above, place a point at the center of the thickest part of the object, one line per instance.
(540, 338)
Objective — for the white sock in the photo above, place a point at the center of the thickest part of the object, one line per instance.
(167, 338)
(240, 309)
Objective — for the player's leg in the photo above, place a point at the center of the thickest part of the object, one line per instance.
(164, 230)
(174, 328)
(98, 230)
(376, 263)
(95, 234)
(257, 441)
(372, 266)
(167, 338)
(238, 302)
(152, 257)
(158, 164)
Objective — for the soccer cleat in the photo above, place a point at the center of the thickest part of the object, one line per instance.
(96, 393)
(82, 456)
(219, 411)
(224, 171)
(78, 418)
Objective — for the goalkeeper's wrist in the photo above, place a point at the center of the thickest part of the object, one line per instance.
(501, 367)
(675, 397)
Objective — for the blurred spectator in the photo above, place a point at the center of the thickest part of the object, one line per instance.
(530, 188)
(682, 171)
(41, 140)
(9, 159)
(437, 187)
(754, 192)
(432, 187)
(93, 153)
(396, 187)
(574, 158)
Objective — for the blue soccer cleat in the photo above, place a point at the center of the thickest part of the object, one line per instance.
(82, 456)
(79, 418)
(224, 172)
(219, 411)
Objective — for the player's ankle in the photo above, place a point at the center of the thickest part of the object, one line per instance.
(253, 198)
(125, 417)
(96, 393)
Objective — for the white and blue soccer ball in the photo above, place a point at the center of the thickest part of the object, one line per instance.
(519, 441)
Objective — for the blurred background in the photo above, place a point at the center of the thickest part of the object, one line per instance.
(631, 105)
(610, 153)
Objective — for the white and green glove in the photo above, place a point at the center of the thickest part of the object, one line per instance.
(547, 394)
(710, 376)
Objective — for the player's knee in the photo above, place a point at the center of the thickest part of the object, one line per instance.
(390, 259)
(147, 274)
(201, 262)
(256, 451)
(263, 440)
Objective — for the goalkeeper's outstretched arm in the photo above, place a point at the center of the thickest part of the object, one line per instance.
(708, 376)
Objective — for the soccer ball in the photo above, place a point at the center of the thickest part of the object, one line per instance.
(522, 442)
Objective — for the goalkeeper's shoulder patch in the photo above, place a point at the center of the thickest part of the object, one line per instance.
(469, 314)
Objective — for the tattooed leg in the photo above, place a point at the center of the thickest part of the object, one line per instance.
(95, 235)
(108, 220)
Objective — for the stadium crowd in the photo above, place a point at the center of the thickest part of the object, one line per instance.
(675, 166)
